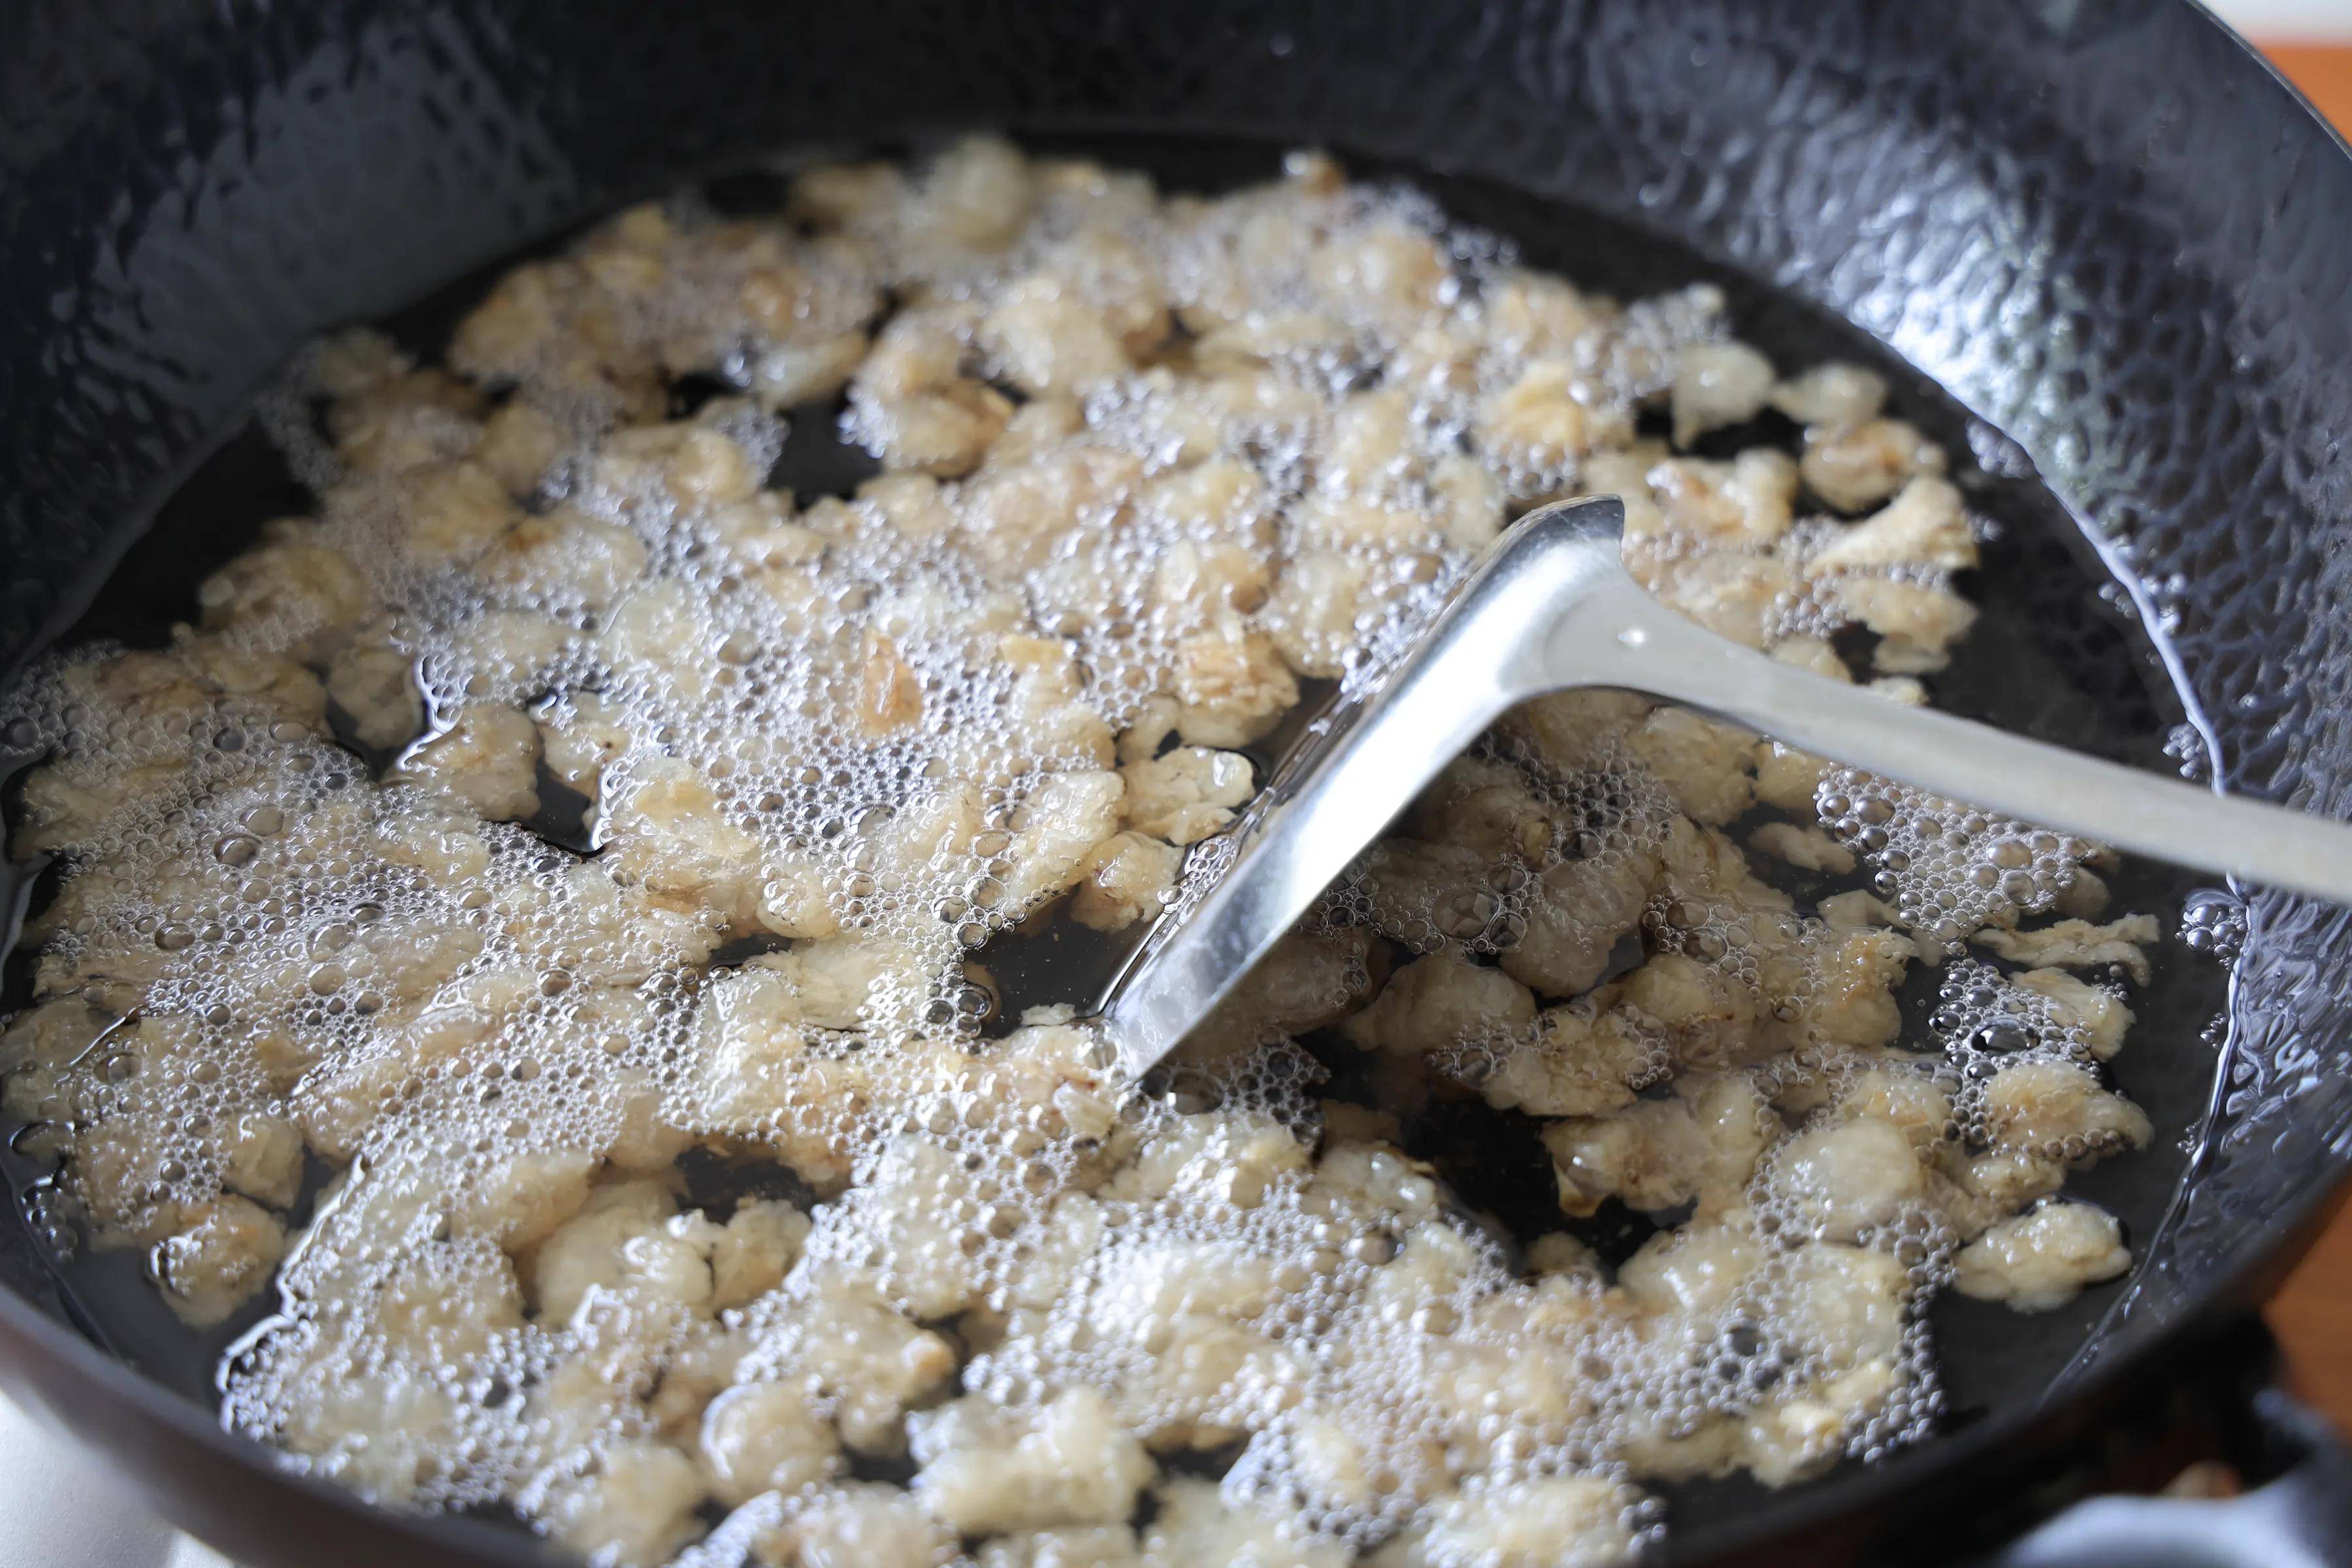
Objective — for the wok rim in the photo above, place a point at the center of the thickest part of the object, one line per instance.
(41, 1356)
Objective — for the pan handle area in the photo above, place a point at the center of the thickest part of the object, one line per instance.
(2300, 1518)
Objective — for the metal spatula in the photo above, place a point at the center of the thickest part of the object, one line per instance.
(1553, 608)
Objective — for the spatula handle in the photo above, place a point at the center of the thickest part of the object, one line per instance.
(1657, 651)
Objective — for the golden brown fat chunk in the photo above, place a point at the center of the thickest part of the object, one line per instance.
(1575, 731)
(1704, 765)
(2041, 1259)
(1048, 341)
(1188, 794)
(1013, 517)
(303, 597)
(375, 683)
(1746, 503)
(567, 555)
(1581, 911)
(1849, 1176)
(1852, 1001)
(1314, 609)
(1425, 894)
(1579, 1061)
(519, 444)
(1807, 849)
(1484, 804)
(766, 1436)
(1232, 686)
(889, 692)
(1539, 422)
(1659, 1153)
(1708, 1013)
(1917, 623)
(1833, 394)
(222, 1258)
(1310, 980)
(1717, 384)
(2096, 1010)
(987, 1469)
(1924, 526)
(489, 760)
(1127, 876)
(1787, 779)
(672, 833)
(2056, 1109)
(1862, 465)
(2078, 944)
(1442, 1000)
(452, 514)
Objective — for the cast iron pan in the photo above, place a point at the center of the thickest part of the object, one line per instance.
(2095, 243)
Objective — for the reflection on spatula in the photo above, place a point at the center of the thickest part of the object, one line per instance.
(1553, 608)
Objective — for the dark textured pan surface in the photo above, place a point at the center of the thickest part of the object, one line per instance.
(2096, 223)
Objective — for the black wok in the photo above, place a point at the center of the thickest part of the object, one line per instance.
(2116, 241)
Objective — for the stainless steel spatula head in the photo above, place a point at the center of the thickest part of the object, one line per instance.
(1552, 608)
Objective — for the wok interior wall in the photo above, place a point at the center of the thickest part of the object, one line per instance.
(2146, 290)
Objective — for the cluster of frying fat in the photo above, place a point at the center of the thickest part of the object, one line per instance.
(553, 872)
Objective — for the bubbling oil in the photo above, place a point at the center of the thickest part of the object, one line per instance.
(600, 864)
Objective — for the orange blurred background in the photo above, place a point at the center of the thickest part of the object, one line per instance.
(2323, 71)
(2312, 1315)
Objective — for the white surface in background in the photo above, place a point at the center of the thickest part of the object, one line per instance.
(2289, 21)
(59, 1510)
